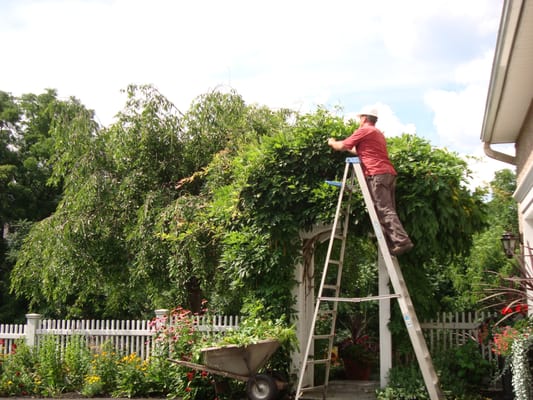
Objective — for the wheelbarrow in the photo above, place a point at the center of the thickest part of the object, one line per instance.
(242, 363)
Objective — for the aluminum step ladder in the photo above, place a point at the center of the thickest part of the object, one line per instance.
(328, 297)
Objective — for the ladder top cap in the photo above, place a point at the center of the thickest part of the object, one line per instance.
(334, 183)
(353, 160)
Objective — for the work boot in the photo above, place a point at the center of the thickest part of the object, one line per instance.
(402, 248)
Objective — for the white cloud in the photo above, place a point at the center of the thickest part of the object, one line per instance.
(458, 114)
(407, 55)
(296, 54)
(483, 167)
(388, 122)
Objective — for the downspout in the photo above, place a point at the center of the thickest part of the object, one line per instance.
(498, 155)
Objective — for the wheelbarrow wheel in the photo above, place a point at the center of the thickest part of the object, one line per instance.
(262, 387)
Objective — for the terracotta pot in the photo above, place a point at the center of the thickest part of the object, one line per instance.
(356, 370)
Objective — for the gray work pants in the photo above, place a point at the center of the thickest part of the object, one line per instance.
(383, 191)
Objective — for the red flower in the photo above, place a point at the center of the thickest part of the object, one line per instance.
(507, 310)
(521, 308)
(190, 376)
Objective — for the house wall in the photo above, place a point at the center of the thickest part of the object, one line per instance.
(524, 194)
(524, 147)
(524, 181)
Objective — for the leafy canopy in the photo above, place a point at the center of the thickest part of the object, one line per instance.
(162, 205)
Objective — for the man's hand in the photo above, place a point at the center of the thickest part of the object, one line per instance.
(336, 144)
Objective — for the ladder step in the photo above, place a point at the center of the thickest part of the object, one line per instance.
(324, 336)
(351, 188)
(334, 183)
(330, 287)
(359, 299)
(310, 388)
(318, 361)
(328, 314)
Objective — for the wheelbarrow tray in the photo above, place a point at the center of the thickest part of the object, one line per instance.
(240, 360)
(236, 361)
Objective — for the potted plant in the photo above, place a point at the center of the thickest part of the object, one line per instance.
(358, 350)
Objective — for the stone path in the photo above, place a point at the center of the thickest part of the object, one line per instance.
(344, 390)
(337, 390)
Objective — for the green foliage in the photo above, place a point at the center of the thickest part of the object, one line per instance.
(256, 326)
(76, 361)
(463, 370)
(405, 383)
(131, 372)
(48, 367)
(165, 206)
(177, 337)
(434, 202)
(102, 375)
(17, 372)
(463, 373)
(474, 273)
(161, 375)
(26, 149)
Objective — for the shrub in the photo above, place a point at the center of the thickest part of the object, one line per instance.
(18, 376)
(101, 377)
(76, 360)
(131, 376)
(463, 370)
(405, 383)
(160, 373)
(48, 367)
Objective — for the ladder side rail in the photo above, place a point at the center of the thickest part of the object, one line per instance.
(398, 283)
(340, 268)
(417, 338)
(345, 227)
(305, 357)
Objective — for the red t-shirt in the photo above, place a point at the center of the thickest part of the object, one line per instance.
(371, 148)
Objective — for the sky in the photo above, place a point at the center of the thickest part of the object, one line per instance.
(425, 64)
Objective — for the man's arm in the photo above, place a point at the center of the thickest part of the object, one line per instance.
(338, 145)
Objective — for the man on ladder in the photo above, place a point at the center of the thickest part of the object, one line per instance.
(376, 177)
(369, 144)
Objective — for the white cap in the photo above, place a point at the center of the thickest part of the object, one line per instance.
(371, 111)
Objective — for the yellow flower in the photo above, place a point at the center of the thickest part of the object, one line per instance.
(90, 379)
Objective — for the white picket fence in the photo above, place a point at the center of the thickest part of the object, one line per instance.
(446, 331)
(124, 336)
(449, 330)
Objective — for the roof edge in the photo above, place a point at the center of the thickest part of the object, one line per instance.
(511, 13)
